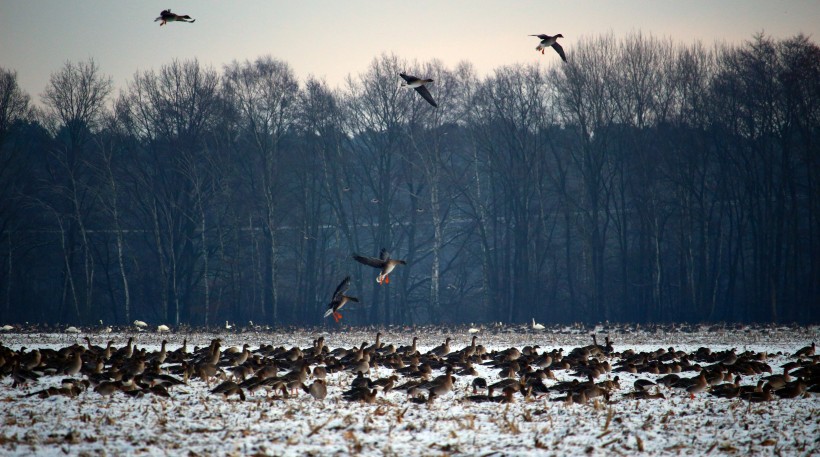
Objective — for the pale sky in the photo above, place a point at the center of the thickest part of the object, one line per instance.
(331, 39)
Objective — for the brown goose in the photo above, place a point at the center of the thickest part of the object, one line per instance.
(699, 385)
(228, 388)
(726, 390)
(167, 16)
(384, 263)
(443, 349)
(339, 300)
(807, 351)
(778, 381)
(792, 390)
(550, 41)
(317, 390)
(363, 395)
(418, 85)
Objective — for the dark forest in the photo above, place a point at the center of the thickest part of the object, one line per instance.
(642, 181)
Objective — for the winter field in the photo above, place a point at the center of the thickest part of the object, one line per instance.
(193, 421)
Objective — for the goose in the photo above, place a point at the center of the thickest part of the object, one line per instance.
(339, 299)
(360, 395)
(163, 328)
(547, 41)
(643, 384)
(384, 263)
(228, 388)
(7, 328)
(479, 383)
(317, 390)
(761, 396)
(72, 329)
(792, 389)
(167, 16)
(699, 385)
(443, 349)
(807, 351)
(418, 85)
(644, 395)
(360, 381)
(778, 381)
(537, 326)
(384, 384)
(726, 390)
(140, 324)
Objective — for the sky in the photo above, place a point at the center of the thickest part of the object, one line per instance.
(331, 39)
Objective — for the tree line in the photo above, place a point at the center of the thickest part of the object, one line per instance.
(644, 180)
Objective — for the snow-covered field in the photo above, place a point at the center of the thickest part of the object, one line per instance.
(195, 422)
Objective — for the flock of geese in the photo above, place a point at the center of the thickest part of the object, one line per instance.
(443, 372)
(547, 41)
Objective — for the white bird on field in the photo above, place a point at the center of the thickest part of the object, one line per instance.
(140, 324)
(163, 328)
(473, 330)
(6, 328)
(72, 329)
(228, 326)
(537, 326)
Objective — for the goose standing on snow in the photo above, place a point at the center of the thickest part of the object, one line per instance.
(339, 300)
(384, 263)
(167, 16)
(418, 84)
(550, 41)
(537, 326)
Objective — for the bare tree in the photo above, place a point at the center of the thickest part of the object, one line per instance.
(14, 104)
(584, 87)
(75, 102)
(171, 113)
(265, 93)
(14, 107)
(376, 113)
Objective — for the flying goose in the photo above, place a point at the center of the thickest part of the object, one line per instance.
(339, 299)
(384, 263)
(167, 16)
(418, 84)
(547, 41)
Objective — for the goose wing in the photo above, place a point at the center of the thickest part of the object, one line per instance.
(426, 94)
(408, 78)
(560, 51)
(341, 289)
(369, 261)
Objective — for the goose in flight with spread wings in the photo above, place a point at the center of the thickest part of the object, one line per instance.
(339, 300)
(384, 263)
(418, 84)
(167, 16)
(547, 41)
